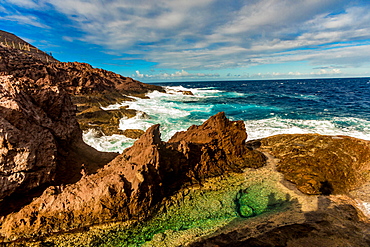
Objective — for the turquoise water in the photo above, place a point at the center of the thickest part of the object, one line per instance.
(324, 106)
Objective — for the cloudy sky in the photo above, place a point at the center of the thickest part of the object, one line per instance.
(190, 40)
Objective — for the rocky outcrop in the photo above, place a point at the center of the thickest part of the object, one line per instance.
(105, 121)
(40, 140)
(76, 78)
(218, 146)
(89, 87)
(11, 41)
(320, 164)
(28, 148)
(134, 182)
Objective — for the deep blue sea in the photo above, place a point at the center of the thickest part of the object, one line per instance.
(267, 107)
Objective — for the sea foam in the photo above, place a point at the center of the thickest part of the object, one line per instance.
(175, 111)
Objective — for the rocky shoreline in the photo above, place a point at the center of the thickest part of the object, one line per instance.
(204, 187)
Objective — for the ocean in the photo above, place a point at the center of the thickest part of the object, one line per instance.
(336, 106)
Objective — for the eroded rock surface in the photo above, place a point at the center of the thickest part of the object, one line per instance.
(40, 139)
(321, 164)
(334, 223)
(89, 87)
(219, 144)
(134, 182)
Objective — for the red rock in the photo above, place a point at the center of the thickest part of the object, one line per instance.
(134, 182)
(40, 139)
(220, 145)
(321, 164)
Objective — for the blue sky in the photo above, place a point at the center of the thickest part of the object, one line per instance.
(192, 40)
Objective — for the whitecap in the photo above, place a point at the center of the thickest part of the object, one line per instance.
(356, 127)
(114, 143)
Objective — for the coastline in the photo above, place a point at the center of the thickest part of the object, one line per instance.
(202, 185)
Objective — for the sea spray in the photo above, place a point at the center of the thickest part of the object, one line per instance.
(323, 106)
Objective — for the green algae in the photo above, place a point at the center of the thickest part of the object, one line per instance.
(199, 212)
(190, 213)
(258, 199)
(193, 212)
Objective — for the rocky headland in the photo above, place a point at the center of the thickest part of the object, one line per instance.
(90, 88)
(206, 186)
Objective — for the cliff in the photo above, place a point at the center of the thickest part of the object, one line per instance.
(12, 41)
(90, 88)
(40, 137)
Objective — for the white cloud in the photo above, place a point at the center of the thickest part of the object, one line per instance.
(298, 74)
(217, 34)
(26, 3)
(176, 75)
(139, 75)
(25, 20)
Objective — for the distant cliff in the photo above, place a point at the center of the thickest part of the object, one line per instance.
(12, 41)
(90, 88)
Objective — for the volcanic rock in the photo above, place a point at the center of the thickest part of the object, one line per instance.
(76, 78)
(134, 182)
(220, 146)
(12, 41)
(133, 133)
(106, 121)
(89, 87)
(40, 140)
(321, 164)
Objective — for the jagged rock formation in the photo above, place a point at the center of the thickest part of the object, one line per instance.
(220, 143)
(134, 182)
(89, 87)
(40, 139)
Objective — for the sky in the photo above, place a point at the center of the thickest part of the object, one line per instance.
(195, 40)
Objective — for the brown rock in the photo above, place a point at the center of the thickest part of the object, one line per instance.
(126, 188)
(104, 121)
(134, 182)
(133, 133)
(187, 93)
(40, 141)
(11, 41)
(76, 78)
(27, 147)
(221, 146)
(321, 164)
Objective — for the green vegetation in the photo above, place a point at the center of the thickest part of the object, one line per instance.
(191, 213)
(258, 199)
